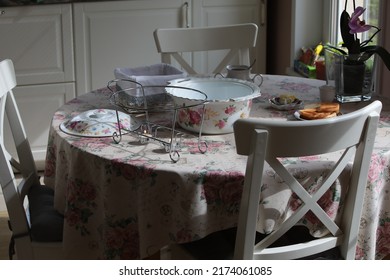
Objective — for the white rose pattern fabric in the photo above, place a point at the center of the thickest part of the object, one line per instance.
(127, 200)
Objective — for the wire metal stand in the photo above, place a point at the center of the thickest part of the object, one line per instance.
(141, 100)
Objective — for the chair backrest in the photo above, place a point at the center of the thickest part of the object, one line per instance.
(269, 141)
(15, 194)
(237, 39)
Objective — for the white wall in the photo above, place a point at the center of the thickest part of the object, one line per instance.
(306, 25)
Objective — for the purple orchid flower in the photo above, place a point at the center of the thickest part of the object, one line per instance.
(349, 27)
(355, 24)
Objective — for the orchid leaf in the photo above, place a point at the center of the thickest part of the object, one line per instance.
(358, 52)
(335, 49)
(382, 52)
(348, 38)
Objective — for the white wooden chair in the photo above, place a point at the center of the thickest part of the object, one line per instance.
(237, 39)
(265, 140)
(36, 226)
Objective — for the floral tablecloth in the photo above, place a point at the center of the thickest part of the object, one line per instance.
(127, 200)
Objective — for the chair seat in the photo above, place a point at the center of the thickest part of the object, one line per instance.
(46, 222)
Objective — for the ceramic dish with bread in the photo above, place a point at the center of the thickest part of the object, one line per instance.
(321, 111)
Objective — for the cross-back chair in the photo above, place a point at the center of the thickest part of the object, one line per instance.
(351, 135)
(265, 141)
(36, 226)
(238, 39)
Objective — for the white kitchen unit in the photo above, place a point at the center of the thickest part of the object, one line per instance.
(119, 34)
(39, 41)
(221, 12)
(37, 104)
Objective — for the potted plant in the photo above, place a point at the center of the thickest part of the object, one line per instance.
(351, 67)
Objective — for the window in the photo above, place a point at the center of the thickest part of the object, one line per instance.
(309, 28)
(371, 16)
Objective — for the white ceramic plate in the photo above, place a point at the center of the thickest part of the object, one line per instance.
(298, 116)
(99, 123)
(296, 104)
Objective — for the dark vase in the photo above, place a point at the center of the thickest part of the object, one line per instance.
(352, 79)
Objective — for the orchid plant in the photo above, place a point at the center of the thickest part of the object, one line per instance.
(358, 51)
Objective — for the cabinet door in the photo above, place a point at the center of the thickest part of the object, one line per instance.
(119, 34)
(222, 12)
(37, 104)
(39, 41)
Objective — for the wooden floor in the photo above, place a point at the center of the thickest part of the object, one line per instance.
(5, 235)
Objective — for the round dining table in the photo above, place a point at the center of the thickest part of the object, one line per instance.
(128, 199)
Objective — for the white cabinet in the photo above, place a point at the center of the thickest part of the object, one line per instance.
(221, 12)
(119, 34)
(37, 104)
(39, 41)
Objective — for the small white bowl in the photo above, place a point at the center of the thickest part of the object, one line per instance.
(296, 104)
